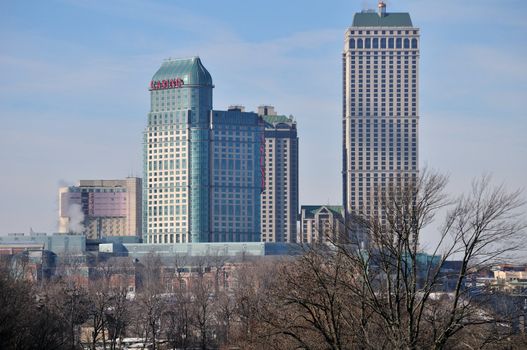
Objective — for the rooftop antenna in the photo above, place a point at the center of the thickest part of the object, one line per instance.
(382, 8)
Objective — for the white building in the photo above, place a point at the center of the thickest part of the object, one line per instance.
(321, 223)
(380, 108)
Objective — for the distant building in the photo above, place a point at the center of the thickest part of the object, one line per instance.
(100, 208)
(510, 279)
(202, 167)
(380, 108)
(280, 197)
(56, 243)
(38, 257)
(321, 223)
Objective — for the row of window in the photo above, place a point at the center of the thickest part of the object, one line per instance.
(383, 54)
(383, 43)
(383, 32)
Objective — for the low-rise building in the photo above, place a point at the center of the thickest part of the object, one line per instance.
(321, 223)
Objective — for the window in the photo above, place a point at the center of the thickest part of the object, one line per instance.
(352, 43)
(359, 43)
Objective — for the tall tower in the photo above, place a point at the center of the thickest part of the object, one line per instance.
(176, 154)
(202, 173)
(280, 198)
(380, 108)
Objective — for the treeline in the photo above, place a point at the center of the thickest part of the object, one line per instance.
(382, 295)
(311, 302)
(198, 311)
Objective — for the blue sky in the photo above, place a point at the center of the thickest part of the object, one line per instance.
(74, 75)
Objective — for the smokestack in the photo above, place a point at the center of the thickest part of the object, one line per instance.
(382, 8)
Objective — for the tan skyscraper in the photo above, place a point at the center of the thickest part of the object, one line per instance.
(380, 107)
(279, 208)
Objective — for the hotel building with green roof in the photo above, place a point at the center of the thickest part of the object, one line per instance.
(203, 172)
(279, 202)
(380, 109)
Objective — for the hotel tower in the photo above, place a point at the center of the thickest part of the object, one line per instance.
(279, 204)
(203, 169)
(380, 108)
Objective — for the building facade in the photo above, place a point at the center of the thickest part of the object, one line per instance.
(202, 170)
(380, 108)
(279, 201)
(100, 208)
(321, 223)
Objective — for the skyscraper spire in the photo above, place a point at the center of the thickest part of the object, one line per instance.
(382, 8)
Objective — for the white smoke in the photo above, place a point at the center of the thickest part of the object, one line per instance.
(76, 218)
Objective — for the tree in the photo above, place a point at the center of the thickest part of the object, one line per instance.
(203, 303)
(16, 304)
(384, 294)
(118, 315)
(118, 312)
(178, 320)
(70, 303)
(150, 302)
(99, 295)
(27, 321)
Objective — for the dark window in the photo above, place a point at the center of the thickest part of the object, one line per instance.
(352, 43)
(414, 43)
(383, 43)
(359, 43)
(406, 43)
(367, 43)
(375, 43)
(390, 43)
(399, 43)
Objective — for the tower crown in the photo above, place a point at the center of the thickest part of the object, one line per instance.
(190, 70)
(382, 8)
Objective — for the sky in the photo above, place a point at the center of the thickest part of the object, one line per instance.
(74, 80)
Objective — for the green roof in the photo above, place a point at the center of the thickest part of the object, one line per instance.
(276, 119)
(312, 209)
(372, 19)
(191, 70)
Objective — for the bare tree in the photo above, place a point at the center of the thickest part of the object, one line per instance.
(203, 303)
(99, 301)
(225, 316)
(385, 294)
(70, 303)
(150, 302)
(118, 312)
(118, 316)
(179, 320)
(16, 304)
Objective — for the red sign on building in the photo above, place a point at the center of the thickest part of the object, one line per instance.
(166, 84)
